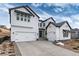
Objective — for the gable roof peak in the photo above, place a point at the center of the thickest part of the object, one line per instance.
(49, 18)
(24, 6)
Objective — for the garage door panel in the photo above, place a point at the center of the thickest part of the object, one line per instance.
(51, 36)
(22, 36)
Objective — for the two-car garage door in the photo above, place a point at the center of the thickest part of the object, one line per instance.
(25, 36)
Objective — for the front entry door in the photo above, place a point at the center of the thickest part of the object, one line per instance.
(40, 33)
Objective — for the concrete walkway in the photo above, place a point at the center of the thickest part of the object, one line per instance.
(43, 48)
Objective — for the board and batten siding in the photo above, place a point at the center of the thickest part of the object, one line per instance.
(24, 26)
(65, 27)
(47, 22)
(51, 33)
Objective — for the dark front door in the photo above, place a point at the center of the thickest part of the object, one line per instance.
(40, 33)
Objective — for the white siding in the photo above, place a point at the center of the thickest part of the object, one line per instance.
(51, 32)
(65, 27)
(57, 33)
(46, 23)
(23, 26)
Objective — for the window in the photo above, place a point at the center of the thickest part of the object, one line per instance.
(17, 16)
(28, 18)
(40, 24)
(43, 24)
(65, 33)
(21, 17)
(25, 18)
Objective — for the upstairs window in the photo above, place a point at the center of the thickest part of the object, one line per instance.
(43, 24)
(21, 17)
(17, 16)
(28, 18)
(25, 19)
(40, 24)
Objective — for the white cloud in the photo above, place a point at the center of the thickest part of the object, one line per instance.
(36, 4)
(57, 10)
(75, 24)
(60, 4)
(75, 17)
(57, 4)
(4, 7)
(58, 18)
(44, 15)
(4, 17)
(67, 19)
(8, 25)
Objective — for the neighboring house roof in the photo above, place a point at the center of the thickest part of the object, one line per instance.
(3, 26)
(58, 24)
(47, 19)
(26, 7)
(75, 30)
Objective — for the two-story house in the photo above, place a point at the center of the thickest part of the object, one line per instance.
(26, 26)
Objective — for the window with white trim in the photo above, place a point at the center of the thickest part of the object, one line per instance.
(17, 16)
(25, 19)
(28, 18)
(21, 17)
(43, 24)
(40, 24)
(65, 33)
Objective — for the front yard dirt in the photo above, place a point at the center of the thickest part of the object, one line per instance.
(71, 45)
(8, 48)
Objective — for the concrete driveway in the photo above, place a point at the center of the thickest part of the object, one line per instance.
(43, 48)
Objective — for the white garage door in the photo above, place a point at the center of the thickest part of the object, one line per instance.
(25, 36)
(51, 36)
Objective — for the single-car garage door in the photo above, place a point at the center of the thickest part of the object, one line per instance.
(25, 36)
(51, 36)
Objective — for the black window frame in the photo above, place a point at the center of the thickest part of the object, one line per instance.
(65, 33)
(43, 24)
(25, 16)
(40, 24)
(28, 18)
(21, 17)
(17, 16)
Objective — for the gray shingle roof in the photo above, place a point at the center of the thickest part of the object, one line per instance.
(47, 19)
(59, 24)
(76, 29)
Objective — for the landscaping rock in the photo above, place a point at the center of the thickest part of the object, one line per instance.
(60, 43)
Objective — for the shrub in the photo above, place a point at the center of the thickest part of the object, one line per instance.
(1, 40)
(6, 38)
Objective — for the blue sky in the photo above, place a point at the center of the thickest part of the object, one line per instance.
(59, 11)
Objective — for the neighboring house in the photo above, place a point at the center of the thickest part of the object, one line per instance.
(75, 33)
(58, 31)
(3, 26)
(24, 24)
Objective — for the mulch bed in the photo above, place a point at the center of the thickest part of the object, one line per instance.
(72, 45)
